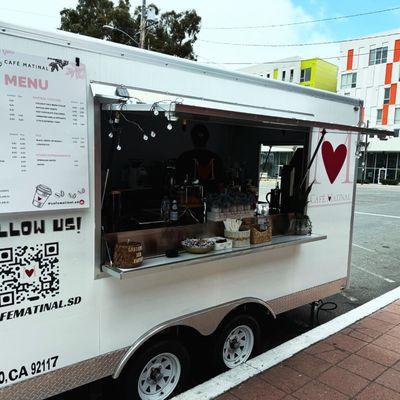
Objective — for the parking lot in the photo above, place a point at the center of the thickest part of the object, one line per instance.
(375, 270)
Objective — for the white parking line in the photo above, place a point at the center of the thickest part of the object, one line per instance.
(348, 297)
(378, 215)
(374, 274)
(364, 248)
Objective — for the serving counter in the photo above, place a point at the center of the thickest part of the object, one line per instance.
(186, 258)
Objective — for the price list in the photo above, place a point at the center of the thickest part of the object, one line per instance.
(44, 154)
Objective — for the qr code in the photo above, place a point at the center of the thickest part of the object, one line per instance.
(29, 273)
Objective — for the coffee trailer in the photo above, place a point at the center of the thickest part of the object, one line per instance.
(89, 129)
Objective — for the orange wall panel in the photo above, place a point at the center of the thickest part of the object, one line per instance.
(350, 54)
(393, 91)
(385, 113)
(388, 73)
(396, 55)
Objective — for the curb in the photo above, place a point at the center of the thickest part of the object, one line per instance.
(228, 380)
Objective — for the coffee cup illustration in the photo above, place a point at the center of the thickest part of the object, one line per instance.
(42, 193)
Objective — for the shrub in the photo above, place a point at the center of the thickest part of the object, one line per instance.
(366, 180)
(389, 182)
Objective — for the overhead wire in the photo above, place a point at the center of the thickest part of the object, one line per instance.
(304, 22)
(296, 44)
(327, 19)
(273, 26)
(27, 12)
(288, 61)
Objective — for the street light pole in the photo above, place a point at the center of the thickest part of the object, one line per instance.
(112, 27)
(365, 158)
(143, 24)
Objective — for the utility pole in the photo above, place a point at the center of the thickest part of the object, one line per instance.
(143, 24)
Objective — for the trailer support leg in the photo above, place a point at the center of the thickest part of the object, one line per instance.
(314, 306)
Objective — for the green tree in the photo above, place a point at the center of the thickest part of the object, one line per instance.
(174, 33)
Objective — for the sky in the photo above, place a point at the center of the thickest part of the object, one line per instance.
(44, 14)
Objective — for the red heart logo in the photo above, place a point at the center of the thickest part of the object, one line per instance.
(29, 272)
(333, 159)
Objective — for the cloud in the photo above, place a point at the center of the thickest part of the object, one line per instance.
(261, 12)
(216, 13)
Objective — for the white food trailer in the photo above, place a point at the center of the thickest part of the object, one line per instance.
(76, 113)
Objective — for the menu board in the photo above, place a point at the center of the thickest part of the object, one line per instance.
(43, 134)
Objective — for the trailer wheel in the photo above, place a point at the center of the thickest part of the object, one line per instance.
(236, 341)
(159, 373)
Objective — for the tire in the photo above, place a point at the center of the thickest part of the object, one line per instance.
(235, 342)
(149, 376)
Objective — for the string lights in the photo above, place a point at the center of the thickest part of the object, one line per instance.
(156, 108)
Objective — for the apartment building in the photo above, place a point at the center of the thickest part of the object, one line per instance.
(313, 72)
(370, 70)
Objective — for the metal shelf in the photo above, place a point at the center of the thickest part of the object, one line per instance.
(191, 259)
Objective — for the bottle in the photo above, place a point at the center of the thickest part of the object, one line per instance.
(173, 215)
(165, 209)
(262, 216)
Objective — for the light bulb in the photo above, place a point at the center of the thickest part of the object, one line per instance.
(153, 134)
(169, 127)
(156, 112)
(145, 137)
(110, 135)
(119, 147)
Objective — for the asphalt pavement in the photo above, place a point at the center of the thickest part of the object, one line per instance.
(375, 270)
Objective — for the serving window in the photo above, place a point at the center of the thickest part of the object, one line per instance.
(169, 178)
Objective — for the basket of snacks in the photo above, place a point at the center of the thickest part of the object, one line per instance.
(198, 246)
(260, 235)
(128, 254)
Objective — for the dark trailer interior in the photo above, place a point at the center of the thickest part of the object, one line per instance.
(163, 173)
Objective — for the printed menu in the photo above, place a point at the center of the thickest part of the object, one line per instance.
(44, 139)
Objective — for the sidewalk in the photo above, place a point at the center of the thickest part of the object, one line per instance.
(360, 362)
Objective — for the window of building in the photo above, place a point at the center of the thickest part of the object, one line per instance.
(283, 75)
(379, 117)
(291, 75)
(348, 81)
(381, 159)
(397, 116)
(392, 160)
(378, 55)
(391, 174)
(370, 159)
(305, 75)
(386, 96)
